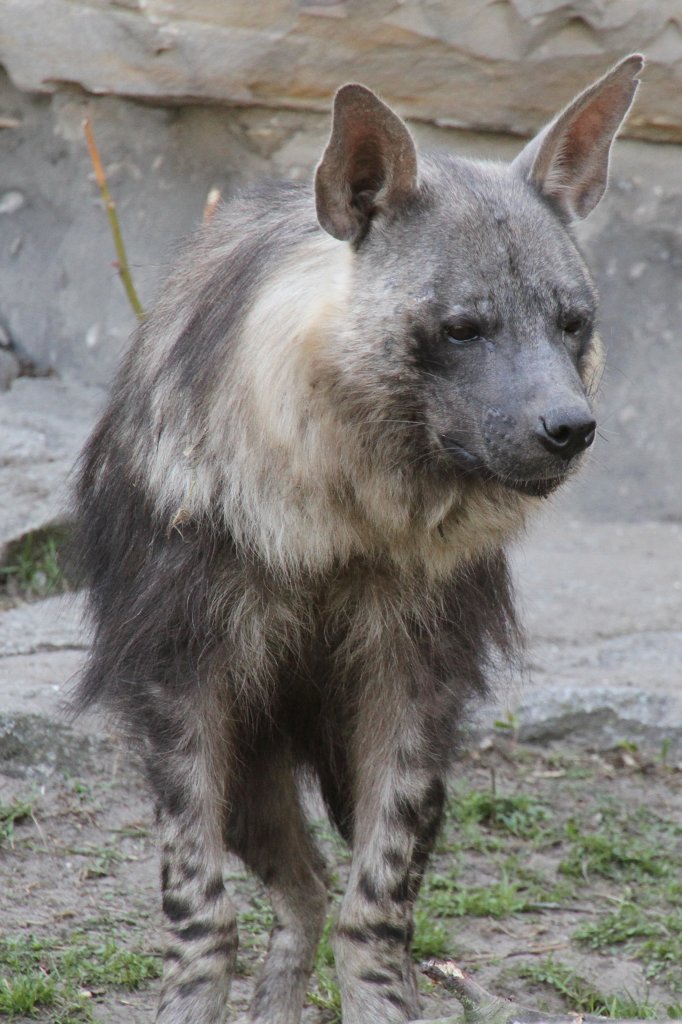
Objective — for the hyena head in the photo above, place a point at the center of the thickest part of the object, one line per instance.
(476, 311)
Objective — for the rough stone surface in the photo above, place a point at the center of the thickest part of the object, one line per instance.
(603, 605)
(604, 715)
(39, 682)
(9, 369)
(54, 624)
(43, 424)
(34, 747)
(42, 648)
(61, 302)
(498, 67)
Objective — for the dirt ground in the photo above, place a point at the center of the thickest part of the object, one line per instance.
(511, 884)
(557, 878)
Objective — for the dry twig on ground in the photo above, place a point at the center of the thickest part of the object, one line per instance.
(481, 1007)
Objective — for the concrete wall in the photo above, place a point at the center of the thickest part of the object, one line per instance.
(238, 91)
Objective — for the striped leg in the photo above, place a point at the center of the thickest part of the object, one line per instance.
(268, 831)
(399, 800)
(202, 930)
(201, 927)
(429, 826)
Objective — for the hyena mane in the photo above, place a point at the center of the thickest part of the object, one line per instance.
(292, 520)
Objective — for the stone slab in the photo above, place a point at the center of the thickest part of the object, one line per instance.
(43, 425)
(505, 66)
(39, 684)
(603, 607)
(62, 305)
(42, 650)
(54, 624)
(588, 582)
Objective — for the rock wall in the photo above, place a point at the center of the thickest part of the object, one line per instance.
(145, 73)
(492, 66)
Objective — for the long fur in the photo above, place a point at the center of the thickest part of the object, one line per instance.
(297, 566)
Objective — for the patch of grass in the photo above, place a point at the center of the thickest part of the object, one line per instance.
(444, 896)
(653, 936)
(626, 923)
(518, 815)
(615, 851)
(538, 859)
(10, 815)
(580, 996)
(431, 936)
(639, 849)
(105, 859)
(508, 724)
(33, 564)
(37, 974)
(502, 898)
(135, 830)
(325, 993)
(329, 838)
(80, 788)
(255, 923)
(108, 965)
(663, 955)
(26, 994)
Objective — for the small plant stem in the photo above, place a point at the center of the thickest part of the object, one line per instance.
(110, 205)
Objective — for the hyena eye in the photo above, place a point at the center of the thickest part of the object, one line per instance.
(573, 325)
(461, 331)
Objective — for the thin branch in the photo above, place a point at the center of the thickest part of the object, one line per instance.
(110, 205)
(481, 1007)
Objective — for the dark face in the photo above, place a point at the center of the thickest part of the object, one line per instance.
(482, 301)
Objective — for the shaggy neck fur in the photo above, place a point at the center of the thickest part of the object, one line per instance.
(294, 456)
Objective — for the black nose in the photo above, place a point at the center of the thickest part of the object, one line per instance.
(565, 432)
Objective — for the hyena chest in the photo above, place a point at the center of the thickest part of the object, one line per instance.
(361, 640)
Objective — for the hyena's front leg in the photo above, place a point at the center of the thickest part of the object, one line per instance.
(267, 829)
(201, 943)
(429, 826)
(398, 808)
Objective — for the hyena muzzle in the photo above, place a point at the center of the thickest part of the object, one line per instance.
(292, 518)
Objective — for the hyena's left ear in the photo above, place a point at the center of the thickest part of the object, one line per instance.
(568, 162)
(370, 164)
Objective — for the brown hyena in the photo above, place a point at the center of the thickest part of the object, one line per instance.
(292, 518)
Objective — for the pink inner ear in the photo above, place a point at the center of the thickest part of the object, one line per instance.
(583, 134)
(586, 134)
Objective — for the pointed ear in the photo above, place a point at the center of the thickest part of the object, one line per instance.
(370, 164)
(568, 162)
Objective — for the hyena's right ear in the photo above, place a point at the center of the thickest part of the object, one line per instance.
(370, 164)
(568, 162)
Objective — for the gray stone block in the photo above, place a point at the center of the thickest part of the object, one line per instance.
(505, 66)
(43, 425)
